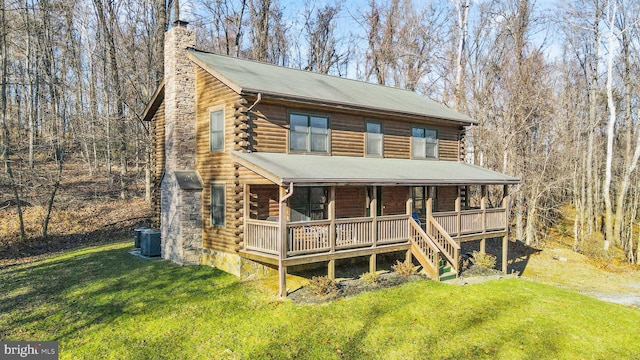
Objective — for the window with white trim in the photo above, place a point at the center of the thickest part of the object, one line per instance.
(424, 143)
(216, 130)
(217, 205)
(308, 133)
(374, 138)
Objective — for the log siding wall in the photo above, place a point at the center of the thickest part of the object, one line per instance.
(270, 132)
(264, 201)
(217, 167)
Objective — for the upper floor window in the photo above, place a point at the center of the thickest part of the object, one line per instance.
(216, 130)
(308, 133)
(374, 138)
(424, 143)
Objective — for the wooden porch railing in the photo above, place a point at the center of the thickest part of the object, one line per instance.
(308, 237)
(467, 222)
(262, 236)
(353, 232)
(393, 228)
(449, 247)
(312, 237)
(424, 250)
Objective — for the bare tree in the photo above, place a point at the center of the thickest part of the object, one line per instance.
(319, 29)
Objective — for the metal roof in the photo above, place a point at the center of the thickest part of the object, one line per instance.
(283, 169)
(251, 77)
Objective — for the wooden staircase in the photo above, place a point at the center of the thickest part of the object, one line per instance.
(438, 254)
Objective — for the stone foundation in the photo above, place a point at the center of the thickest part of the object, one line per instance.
(236, 265)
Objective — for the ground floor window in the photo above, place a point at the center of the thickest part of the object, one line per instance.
(217, 205)
(309, 203)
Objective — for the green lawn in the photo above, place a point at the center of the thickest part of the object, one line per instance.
(104, 303)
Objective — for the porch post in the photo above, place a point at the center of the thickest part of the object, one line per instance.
(409, 205)
(409, 208)
(331, 267)
(374, 214)
(429, 209)
(245, 214)
(505, 238)
(458, 209)
(483, 207)
(282, 246)
(373, 211)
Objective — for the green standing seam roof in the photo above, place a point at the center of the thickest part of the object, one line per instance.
(320, 169)
(256, 77)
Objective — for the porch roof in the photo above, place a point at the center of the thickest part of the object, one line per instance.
(283, 169)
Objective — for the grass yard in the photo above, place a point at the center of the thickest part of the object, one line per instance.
(101, 302)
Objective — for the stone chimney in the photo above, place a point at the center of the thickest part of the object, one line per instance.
(181, 187)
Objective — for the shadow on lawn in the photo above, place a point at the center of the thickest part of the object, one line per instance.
(95, 287)
(518, 254)
(12, 252)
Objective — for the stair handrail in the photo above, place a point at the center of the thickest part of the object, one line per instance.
(449, 247)
(434, 270)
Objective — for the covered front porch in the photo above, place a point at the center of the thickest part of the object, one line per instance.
(295, 221)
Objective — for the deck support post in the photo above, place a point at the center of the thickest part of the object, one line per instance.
(331, 269)
(505, 251)
(372, 263)
(505, 238)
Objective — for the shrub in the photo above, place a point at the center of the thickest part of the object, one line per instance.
(322, 286)
(369, 278)
(484, 260)
(405, 268)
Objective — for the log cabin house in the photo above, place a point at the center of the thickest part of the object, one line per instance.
(261, 167)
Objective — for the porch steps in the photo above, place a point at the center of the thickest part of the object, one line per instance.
(447, 275)
(446, 272)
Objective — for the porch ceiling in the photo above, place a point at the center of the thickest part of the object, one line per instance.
(283, 169)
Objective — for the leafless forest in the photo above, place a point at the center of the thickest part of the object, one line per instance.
(553, 84)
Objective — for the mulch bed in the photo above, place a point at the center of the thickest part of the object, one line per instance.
(351, 287)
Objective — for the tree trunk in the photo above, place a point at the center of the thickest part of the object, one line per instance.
(593, 120)
(462, 8)
(608, 220)
(6, 146)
